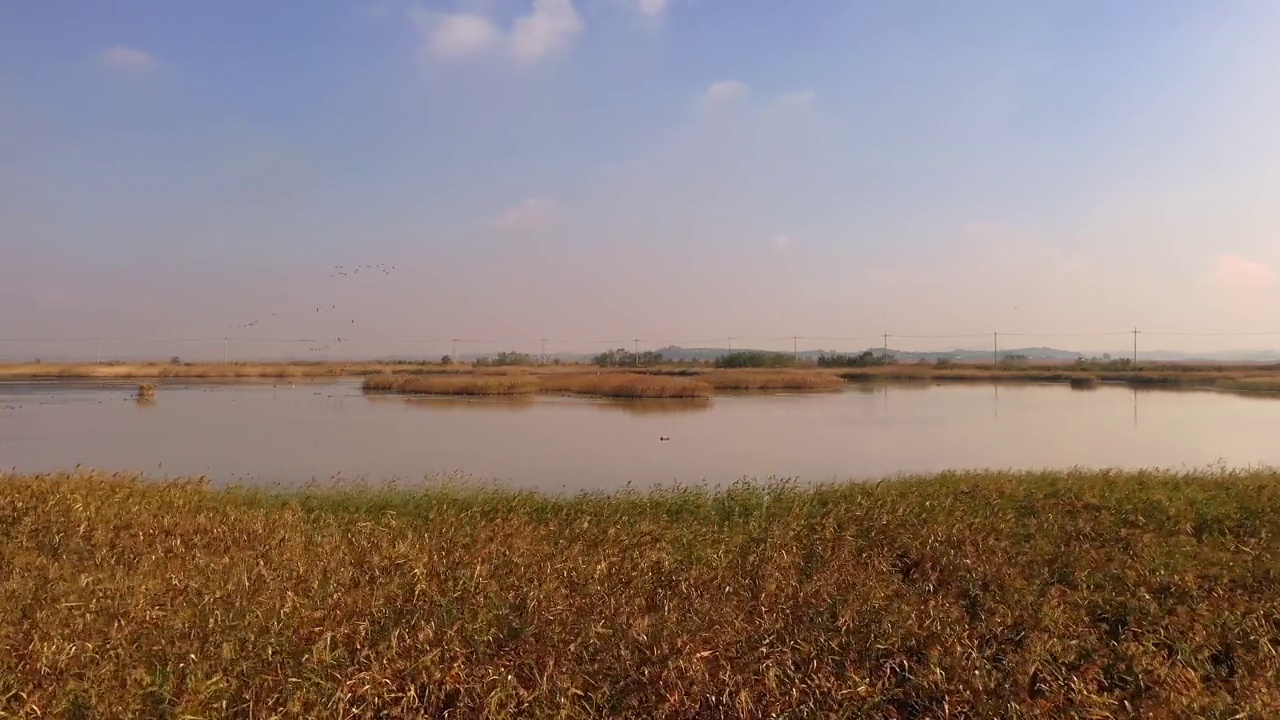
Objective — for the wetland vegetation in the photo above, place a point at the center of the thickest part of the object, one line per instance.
(1033, 595)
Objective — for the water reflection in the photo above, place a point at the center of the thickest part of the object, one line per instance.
(438, 403)
(652, 406)
(293, 433)
(522, 403)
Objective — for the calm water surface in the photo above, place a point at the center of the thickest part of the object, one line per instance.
(281, 433)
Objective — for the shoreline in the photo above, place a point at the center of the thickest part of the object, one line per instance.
(661, 381)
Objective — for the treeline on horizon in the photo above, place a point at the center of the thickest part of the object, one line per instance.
(745, 359)
(621, 357)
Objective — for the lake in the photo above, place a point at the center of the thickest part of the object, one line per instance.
(268, 433)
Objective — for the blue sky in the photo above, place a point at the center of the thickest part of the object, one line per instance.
(599, 169)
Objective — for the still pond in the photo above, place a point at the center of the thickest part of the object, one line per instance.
(291, 433)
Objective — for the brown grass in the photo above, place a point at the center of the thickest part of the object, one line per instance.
(452, 384)
(1238, 377)
(625, 385)
(191, 371)
(1235, 378)
(1050, 595)
(758, 380)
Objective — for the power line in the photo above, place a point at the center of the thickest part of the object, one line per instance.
(1211, 334)
(1066, 334)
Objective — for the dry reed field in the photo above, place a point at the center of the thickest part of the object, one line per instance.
(746, 380)
(187, 370)
(462, 384)
(1234, 378)
(612, 384)
(625, 385)
(1038, 595)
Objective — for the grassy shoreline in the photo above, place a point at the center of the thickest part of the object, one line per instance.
(611, 384)
(1237, 378)
(1034, 595)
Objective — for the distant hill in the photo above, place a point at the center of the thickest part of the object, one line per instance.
(676, 353)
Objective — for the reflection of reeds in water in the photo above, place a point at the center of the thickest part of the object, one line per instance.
(1085, 382)
(449, 403)
(517, 403)
(146, 393)
(655, 406)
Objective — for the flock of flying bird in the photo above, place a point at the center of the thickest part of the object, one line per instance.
(338, 271)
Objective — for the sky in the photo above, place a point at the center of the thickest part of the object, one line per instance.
(596, 171)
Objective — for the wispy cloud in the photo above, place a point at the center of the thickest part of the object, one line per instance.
(548, 28)
(529, 214)
(726, 91)
(653, 8)
(455, 35)
(1241, 273)
(128, 59)
(800, 99)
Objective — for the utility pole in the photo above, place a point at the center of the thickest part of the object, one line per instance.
(886, 344)
(730, 344)
(636, 355)
(1135, 344)
(224, 351)
(97, 356)
(995, 349)
(795, 348)
(453, 355)
(544, 351)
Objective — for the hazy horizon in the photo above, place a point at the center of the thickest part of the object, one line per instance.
(670, 170)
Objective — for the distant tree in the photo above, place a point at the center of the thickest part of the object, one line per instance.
(608, 358)
(755, 359)
(866, 358)
(446, 360)
(1015, 359)
(175, 360)
(511, 358)
(621, 357)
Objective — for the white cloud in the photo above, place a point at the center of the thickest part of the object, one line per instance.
(547, 29)
(1241, 273)
(455, 35)
(529, 214)
(653, 8)
(803, 98)
(781, 242)
(127, 59)
(727, 91)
